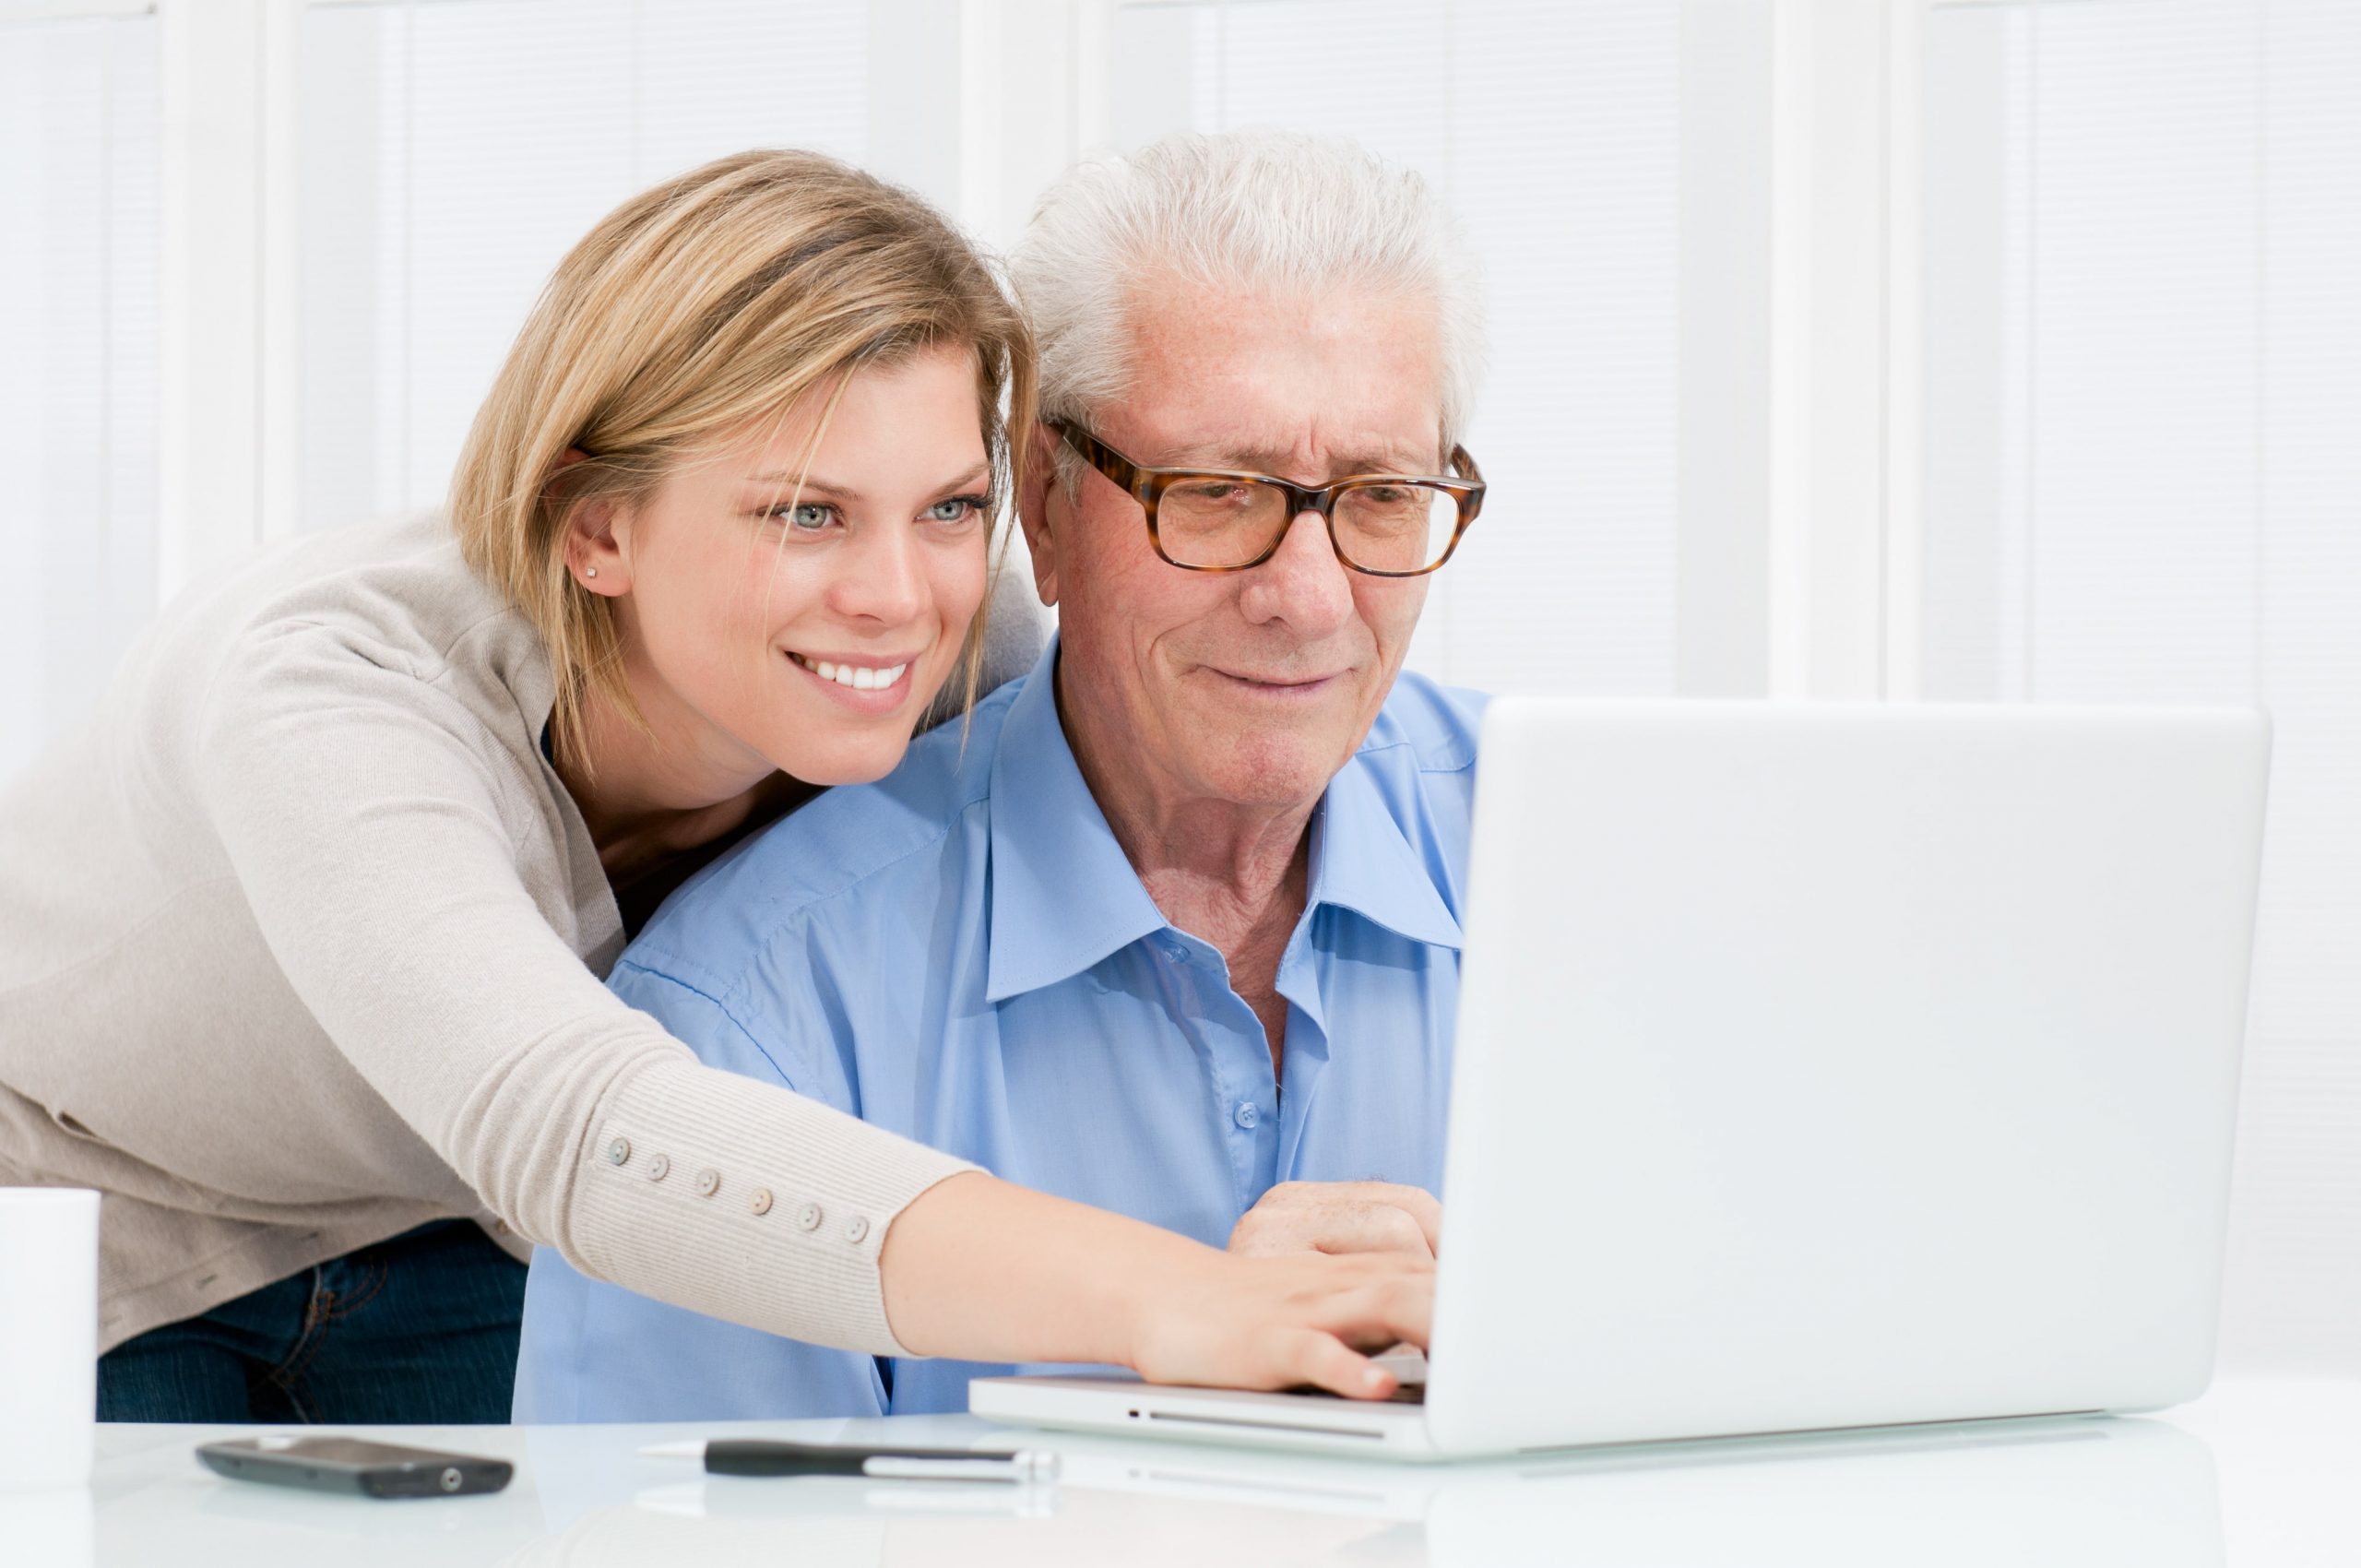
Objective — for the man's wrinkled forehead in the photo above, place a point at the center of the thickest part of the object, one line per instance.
(1268, 380)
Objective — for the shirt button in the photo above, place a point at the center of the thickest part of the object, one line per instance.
(1176, 950)
(1246, 1114)
(708, 1182)
(809, 1217)
(659, 1167)
(857, 1230)
(619, 1151)
(760, 1202)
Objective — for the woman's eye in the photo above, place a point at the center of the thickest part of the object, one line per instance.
(958, 509)
(808, 516)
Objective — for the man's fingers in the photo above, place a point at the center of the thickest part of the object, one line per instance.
(1328, 1227)
(1340, 1217)
(1375, 1227)
(1427, 1210)
(1417, 1202)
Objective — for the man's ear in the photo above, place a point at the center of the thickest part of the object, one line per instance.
(1033, 506)
(594, 557)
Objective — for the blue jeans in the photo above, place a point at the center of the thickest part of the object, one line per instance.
(420, 1329)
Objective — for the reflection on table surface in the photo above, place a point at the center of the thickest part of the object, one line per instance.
(2061, 1492)
(2056, 1491)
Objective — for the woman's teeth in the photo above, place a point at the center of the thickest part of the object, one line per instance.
(860, 677)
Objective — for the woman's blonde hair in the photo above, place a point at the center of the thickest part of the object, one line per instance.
(719, 298)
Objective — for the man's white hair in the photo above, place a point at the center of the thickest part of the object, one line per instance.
(1261, 210)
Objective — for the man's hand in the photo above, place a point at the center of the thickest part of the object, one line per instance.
(1340, 1216)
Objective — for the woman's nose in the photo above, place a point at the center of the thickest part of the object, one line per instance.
(883, 578)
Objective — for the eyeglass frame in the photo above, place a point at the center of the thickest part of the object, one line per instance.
(1147, 485)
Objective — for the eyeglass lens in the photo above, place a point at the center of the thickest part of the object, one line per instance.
(1385, 528)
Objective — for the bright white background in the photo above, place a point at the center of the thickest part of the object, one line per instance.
(1897, 349)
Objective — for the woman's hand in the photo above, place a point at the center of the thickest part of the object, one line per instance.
(1281, 1321)
(1340, 1216)
(986, 1271)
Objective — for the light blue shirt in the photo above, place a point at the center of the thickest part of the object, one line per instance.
(961, 952)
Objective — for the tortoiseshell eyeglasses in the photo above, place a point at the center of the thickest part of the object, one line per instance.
(1214, 520)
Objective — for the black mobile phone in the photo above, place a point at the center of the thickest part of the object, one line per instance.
(352, 1465)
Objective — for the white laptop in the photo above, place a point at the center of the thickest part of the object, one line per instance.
(1818, 1067)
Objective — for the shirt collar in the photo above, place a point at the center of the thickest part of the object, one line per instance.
(1064, 895)
(1362, 860)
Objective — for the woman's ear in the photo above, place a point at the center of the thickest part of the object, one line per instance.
(1033, 505)
(594, 557)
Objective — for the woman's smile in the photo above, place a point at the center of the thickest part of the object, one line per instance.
(867, 684)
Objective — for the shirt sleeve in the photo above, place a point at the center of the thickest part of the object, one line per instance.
(358, 808)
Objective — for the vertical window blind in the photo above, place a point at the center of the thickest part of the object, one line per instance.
(2143, 342)
(450, 155)
(1553, 131)
(79, 241)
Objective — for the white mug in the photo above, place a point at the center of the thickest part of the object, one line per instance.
(49, 1336)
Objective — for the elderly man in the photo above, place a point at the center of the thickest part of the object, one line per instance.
(1171, 927)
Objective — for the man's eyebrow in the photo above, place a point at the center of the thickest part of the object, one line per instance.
(1269, 460)
(829, 490)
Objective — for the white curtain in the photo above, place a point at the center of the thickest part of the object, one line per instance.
(450, 154)
(78, 277)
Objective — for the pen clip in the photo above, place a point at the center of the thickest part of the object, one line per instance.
(1027, 1467)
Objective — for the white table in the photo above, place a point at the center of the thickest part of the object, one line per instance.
(2257, 1473)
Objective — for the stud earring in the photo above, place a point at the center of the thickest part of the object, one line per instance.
(591, 573)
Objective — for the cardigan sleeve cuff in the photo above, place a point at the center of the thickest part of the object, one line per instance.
(746, 1202)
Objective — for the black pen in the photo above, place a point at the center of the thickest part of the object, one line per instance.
(751, 1456)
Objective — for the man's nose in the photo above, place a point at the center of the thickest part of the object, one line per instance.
(1303, 584)
(883, 578)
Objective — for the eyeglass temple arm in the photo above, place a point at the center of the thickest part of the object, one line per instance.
(1124, 476)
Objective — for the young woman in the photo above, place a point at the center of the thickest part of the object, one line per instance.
(300, 933)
